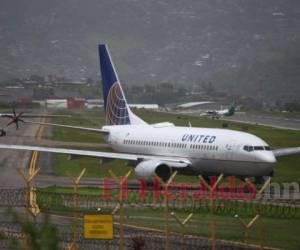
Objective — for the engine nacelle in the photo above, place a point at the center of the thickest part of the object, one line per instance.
(150, 168)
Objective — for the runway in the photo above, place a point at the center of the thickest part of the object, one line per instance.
(281, 121)
(11, 160)
(276, 121)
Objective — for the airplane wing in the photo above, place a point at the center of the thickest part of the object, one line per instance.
(11, 115)
(286, 151)
(177, 162)
(68, 126)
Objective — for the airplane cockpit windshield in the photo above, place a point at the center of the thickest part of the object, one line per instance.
(256, 148)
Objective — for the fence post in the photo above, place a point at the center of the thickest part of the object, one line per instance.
(258, 207)
(182, 225)
(212, 208)
(29, 200)
(166, 208)
(112, 213)
(76, 181)
(246, 227)
(121, 206)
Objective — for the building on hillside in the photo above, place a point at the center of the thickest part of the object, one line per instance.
(75, 103)
(41, 102)
(57, 103)
(144, 106)
(94, 103)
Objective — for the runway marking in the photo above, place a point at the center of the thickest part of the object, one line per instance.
(34, 155)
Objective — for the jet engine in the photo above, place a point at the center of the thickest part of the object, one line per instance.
(150, 168)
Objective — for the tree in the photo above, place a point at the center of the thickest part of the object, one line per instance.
(40, 236)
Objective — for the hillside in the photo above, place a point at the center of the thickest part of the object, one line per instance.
(246, 47)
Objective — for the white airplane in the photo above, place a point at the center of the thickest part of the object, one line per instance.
(220, 113)
(159, 149)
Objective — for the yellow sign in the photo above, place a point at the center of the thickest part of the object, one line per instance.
(98, 226)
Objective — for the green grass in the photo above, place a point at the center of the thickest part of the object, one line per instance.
(94, 166)
(84, 118)
(287, 170)
(278, 232)
(282, 233)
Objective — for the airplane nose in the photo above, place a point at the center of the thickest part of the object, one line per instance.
(267, 162)
(268, 157)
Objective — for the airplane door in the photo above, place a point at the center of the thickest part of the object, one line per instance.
(229, 150)
(113, 139)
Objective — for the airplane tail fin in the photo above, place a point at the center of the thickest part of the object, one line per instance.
(117, 111)
(231, 109)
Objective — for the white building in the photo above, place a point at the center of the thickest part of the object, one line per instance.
(144, 106)
(94, 103)
(57, 103)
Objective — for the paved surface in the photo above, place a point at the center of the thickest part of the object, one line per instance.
(268, 120)
(10, 160)
(276, 121)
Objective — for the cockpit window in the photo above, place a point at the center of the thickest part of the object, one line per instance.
(248, 148)
(258, 148)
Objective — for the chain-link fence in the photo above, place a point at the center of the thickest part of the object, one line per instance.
(57, 201)
(133, 237)
(137, 208)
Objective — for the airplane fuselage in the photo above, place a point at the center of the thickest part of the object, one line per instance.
(210, 151)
